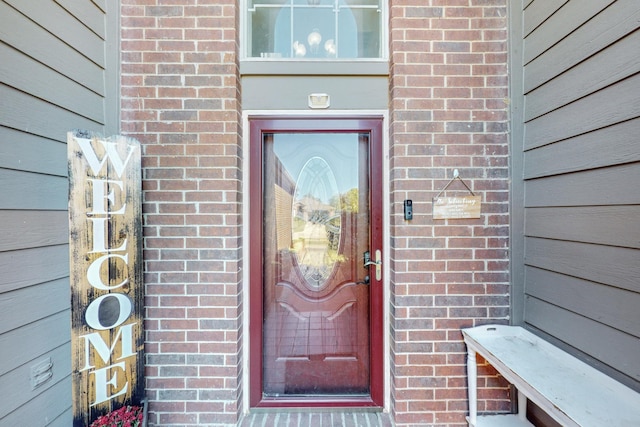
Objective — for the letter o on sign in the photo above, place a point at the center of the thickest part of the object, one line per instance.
(108, 311)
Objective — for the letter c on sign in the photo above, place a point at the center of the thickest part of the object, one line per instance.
(112, 309)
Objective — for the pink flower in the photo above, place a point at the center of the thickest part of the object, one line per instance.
(127, 416)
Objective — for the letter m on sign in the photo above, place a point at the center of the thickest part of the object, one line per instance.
(105, 248)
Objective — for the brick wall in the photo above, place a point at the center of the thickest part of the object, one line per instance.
(180, 99)
(448, 110)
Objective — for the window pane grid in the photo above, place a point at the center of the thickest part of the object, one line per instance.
(314, 29)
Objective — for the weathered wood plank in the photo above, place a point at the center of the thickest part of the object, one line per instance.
(33, 340)
(615, 22)
(554, 28)
(32, 229)
(32, 153)
(63, 26)
(51, 408)
(610, 146)
(617, 185)
(585, 298)
(43, 300)
(614, 104)
(618, 267)
(26, 191)
(36, 79)
(87, 13)
(107, 299)
(538, 12)
(605, 225)
(37, 265)
(29, 114)
(18, 31)
(15, 386)
(607, 67)
(615, 349)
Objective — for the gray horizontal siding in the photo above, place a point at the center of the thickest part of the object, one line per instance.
(538, 12)
(602, 30)
(49, 86)
(67, 28)
(28, 190)
(43, 300)
(576, 165)
(17, 152)
(17, 392)
(33, 341)
(610, 349)
(53, 122)
(51, 408)
(585, 298)
(555, 20)
(593, 74)
(613, 145)
(602, 225)
(615, 104)
(54, 78)
(613, 266)
(31, 229)
(88, 13)
(29, 267)
(26, 36)
(616, 185)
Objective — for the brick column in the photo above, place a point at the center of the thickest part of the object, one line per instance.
(180, 98)
(449, 104)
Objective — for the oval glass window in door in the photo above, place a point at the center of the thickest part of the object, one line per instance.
(316, 222)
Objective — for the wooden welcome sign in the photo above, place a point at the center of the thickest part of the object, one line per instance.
(456, 207)
(105, 246)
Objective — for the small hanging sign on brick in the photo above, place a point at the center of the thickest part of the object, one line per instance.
(456, 207)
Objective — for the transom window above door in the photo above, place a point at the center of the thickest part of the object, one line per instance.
(314, 29)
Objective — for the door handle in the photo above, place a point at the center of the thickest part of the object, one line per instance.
(378, 262)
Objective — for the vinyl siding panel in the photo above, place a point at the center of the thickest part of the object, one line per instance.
(601, 31)
(28, 190)
(45, 406)
(613, 145)
(613, 266)
(601, 225)
(602, 345)
(17, 148)
(32, 229)
(26, 36)
(554, 20)
(17, 392)
(576, 235)
(54, 77)
(585, 298)
(43, 300)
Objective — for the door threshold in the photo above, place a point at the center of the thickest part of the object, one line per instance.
(316, 403)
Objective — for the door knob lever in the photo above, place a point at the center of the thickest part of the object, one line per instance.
(377, 262)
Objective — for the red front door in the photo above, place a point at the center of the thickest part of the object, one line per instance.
(316, 274)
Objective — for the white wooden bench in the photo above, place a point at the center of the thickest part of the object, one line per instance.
(570, 391)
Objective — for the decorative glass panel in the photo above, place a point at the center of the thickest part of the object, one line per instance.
(316, 222)
(314, 29)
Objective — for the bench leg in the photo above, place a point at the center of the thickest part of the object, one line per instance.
(522, 406)
(472, 378)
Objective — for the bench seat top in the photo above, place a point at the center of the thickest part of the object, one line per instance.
(565, 387)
